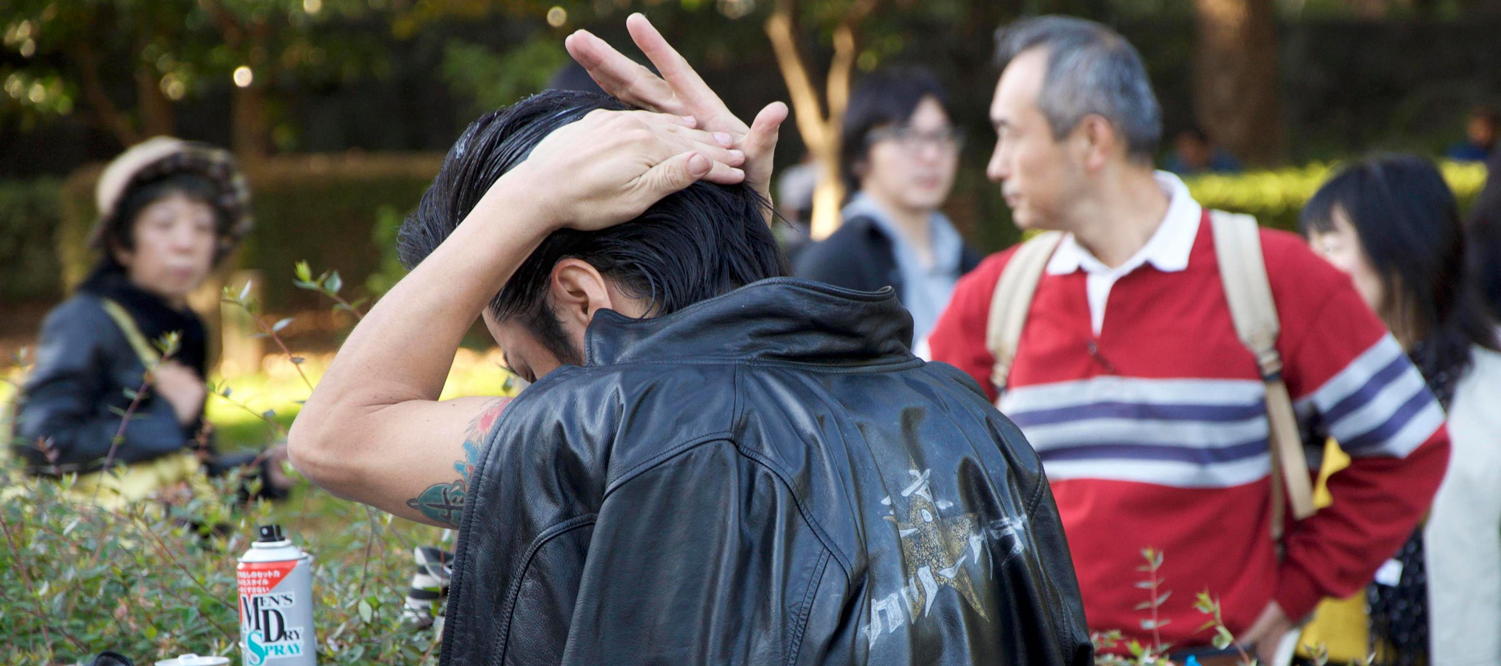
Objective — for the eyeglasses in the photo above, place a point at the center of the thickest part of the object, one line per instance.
(912, 140)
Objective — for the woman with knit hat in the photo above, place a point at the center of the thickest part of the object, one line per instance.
(169, 212)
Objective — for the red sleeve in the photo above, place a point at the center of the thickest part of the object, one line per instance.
(959, 336)
(1348, 376)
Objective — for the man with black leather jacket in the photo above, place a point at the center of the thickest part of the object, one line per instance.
(713, 464)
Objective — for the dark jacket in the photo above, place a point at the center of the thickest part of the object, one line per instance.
(765, 477)
(85, 373)
(859, 255)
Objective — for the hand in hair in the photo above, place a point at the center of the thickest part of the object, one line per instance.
(679, 91)
(610, 166)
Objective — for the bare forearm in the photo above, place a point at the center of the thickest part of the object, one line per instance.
(402, 350)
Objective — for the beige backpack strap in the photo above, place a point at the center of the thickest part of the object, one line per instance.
(1012, 300)
(1237, 246)
(127, 325)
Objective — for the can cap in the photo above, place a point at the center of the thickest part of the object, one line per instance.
(194, 660)
(271, 533)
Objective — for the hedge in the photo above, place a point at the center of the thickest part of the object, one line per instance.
(1276, 196)
(29, 216)
(341, 212)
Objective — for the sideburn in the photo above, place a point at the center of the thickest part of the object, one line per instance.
(544, 324)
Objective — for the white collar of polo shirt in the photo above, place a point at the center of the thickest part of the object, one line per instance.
(1167, 249)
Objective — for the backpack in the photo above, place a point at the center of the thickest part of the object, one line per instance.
(1237, 245)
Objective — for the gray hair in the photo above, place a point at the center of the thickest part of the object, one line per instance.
(1091, 70)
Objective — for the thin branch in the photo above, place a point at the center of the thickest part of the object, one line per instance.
(172, 557)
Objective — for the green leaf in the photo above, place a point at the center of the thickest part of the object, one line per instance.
(245, 291)
(1222, 638)
(366, 612)
(276, 328)
(304, 273)
(334, 283)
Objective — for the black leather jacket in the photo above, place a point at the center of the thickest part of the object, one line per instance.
(75, 395)
(764, 477)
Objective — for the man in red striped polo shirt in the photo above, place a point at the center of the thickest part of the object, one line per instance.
(1132, 384)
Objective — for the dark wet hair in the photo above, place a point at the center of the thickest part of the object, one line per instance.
(119, 230)
(701, 242)
(1408, 224)
(884, 97)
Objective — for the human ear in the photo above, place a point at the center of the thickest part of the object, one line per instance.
(577, 291)
(1098, 139)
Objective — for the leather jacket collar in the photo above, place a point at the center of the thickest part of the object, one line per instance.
(777, 319)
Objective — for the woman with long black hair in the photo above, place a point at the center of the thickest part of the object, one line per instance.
(1392, 223)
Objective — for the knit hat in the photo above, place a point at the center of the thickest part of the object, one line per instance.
(164, 156)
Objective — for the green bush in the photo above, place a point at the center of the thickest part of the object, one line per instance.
(1275, 197)
(319, 208)
(145, 582)
(29, 215)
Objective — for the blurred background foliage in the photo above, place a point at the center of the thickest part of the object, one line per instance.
(341, 108)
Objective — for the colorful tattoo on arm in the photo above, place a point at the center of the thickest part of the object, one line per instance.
(444, 502)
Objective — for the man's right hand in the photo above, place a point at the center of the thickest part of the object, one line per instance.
(679, 91)
(182, 388)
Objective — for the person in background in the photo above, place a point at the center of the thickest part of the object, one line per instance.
(794, 200)
(169, 211)
(1392, 224)
(1480, 136)
(1149, 412)
(1483, 238)
(1193, 153)
(899, 153)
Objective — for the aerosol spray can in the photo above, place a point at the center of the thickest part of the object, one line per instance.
(276, 602)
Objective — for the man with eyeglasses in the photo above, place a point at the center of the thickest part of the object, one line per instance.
(900, 151)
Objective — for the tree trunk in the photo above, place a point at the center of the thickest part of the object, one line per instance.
(820, 132)
(248, 125)
(157, 118)
(1236, 85)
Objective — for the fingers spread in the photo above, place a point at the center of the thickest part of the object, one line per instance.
(618, 75)
(669, 62)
